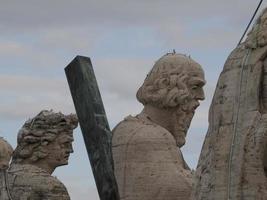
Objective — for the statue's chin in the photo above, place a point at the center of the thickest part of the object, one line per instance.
(184, 118)
(180, 143)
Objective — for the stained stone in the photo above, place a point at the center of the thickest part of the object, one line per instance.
(6, 151)
(36, 156)
(232, 164)
(148, 162)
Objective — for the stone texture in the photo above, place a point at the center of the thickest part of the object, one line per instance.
(146, 148)
(6, 151)
(31, 182)
(232, 163)
(44, 143)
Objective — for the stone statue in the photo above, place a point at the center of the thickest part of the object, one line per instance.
(44, 143)
(6, 151)
(146, 148)
(233, 161)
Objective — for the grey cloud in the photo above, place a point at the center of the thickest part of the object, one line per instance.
(24, 110)
(48, 49)
(18, 17)
(17, 83)
(122, 75)
(16, 51)
(11, 48)
(24, 96)
(207, 40)
(62, 28)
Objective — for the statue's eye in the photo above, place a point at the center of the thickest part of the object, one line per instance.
(65, 145)
(194, 87)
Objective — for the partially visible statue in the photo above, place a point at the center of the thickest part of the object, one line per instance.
(233, 160)
(6, 151)
(146, 148)
(44, 143)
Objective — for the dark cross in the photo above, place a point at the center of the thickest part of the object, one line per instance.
(94, 125)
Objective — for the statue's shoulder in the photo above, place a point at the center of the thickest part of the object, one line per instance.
(32, 182)
(142, 132)
(139, 127)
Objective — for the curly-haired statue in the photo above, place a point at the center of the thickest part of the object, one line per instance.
(44, 143)
(146, 148)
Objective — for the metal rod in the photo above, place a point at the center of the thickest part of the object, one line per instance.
(251, 20)
(94, 125)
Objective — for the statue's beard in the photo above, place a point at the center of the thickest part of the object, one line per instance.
(183, 117)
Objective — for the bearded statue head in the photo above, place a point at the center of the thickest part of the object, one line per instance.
(175, 83)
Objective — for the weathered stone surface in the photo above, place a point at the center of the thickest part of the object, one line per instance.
(94, 125)
(6, 151)
(44, 143)
(31, 182)
(148, 164)
(232, 163)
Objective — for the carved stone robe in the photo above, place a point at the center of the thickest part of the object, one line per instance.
(232, 163)
(30, 182)
(148, 164)
(3, 186)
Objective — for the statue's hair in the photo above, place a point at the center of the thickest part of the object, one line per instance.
(165, 85)
(257, 36)
(39, 131)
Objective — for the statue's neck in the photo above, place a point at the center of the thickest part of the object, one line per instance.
(162, 117)
(46, 167)
(42, 164)
(168, 119)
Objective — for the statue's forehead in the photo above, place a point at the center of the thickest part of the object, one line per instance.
(175, 65)
(65, 137)
(196, 71)
(192, 71)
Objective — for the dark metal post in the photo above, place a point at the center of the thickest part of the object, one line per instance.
(94, 125)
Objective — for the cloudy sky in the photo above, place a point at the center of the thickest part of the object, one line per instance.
(123, 38)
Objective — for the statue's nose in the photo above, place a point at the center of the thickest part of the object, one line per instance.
(200, 95)
(71, 149)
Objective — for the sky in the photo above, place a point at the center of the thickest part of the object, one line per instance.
(123, 38)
